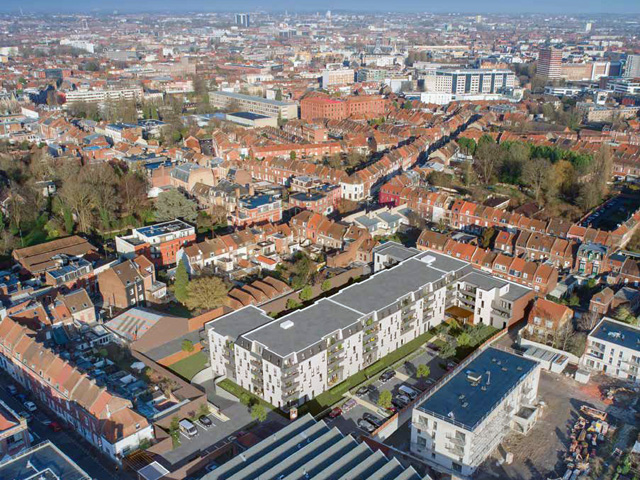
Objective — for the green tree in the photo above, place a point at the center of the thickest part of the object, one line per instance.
(326, 285)
(384, 399)
(448, 350)
(423, 371)
(306, 293)
(292, 304)
(246, 399)
(174, 431)
(279, 95)
(181, 284)
(206, 293)
(187, 346)
(464, 339)
(172, 204)
(258, 412)
(203, 410)
(292, 155)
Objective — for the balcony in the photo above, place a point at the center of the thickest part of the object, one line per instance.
(457, 440)
(455, 449)
(499, 308)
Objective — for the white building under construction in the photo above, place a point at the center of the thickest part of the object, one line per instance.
(466, 417)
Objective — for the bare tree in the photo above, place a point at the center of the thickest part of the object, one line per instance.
(537, 174)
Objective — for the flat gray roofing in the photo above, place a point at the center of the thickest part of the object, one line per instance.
(387, 286)
(397, 251)
(487, 282)
(468, 403)
(240, 96)
(619, 334)
(241, 321)
(310, 325)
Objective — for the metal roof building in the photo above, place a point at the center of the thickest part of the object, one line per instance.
(311, 450)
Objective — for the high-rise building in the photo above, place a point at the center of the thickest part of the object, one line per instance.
(243, 19)
(588, 27)
(632, 67)
(550, 63)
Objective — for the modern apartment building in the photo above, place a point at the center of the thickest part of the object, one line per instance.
(160, 243)
(243, 19)
(341, 76)
(471, 81)
(259, 105)
(103, 95)
(290, 360)
(550, 63)
(464, 418)
(613, 348)
(632, 66)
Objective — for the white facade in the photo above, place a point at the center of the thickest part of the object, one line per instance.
(456, 447)
(613, 348)
(291, 360)
(98, 96)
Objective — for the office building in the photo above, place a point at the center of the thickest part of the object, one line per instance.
(311, 450)
(550, 63)
(291, 360)
(464, 418)
(632, 66)
(613, 348)
(243, 20)
(336, 77)
(259, 105)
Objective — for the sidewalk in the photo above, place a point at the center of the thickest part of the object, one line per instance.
(364, 403)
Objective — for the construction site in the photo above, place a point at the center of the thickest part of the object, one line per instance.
(582, 432)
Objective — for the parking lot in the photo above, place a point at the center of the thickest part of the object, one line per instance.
(405, 374)
(614, 212)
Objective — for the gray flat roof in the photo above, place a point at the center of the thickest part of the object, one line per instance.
(486, 281)
(469, 403)
(387, 286)
(42, 459)
(239, 322)
(305, 327)
(240, 96)
(617, 333)
(397, 251)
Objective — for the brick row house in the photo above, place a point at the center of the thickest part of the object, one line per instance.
(105, 420)
(540, 277)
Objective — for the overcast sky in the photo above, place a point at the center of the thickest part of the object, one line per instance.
(438, 6)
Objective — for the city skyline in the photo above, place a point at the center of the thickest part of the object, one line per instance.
(574, 7)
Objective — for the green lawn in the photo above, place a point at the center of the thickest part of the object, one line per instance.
(188, 367)
(237, 391)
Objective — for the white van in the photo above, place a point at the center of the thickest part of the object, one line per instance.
(188, 428)
(408, 391)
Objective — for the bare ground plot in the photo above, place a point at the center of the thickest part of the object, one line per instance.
(539, 454)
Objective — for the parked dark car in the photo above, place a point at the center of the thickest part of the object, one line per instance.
(372, 419)
(362, 391)
(206, 421)
(388, 375)
(366, 426)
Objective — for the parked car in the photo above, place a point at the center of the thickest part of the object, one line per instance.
(408, 391)
(30, 406)
(388, 375)
(366, 426)
(386, 412)
(12, 389)
(362, 391)
(372, 419)
(397, 404)
(55, 427)
(187, 428)
(206, 421)
(404, 398)
(335, 412)
(348, 405)
(26, 415)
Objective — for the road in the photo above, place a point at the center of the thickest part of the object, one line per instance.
(80, 451)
